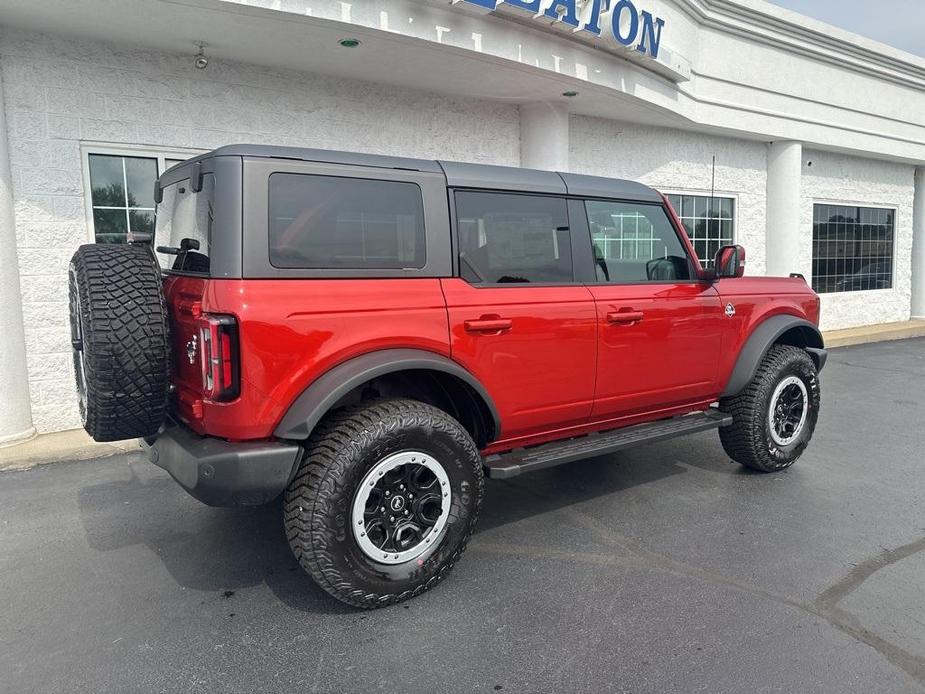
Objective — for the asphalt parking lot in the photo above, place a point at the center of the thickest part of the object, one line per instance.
(665, 569)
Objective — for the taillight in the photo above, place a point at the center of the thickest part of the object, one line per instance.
(219, 357)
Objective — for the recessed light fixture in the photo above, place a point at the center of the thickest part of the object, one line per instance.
(570, 93)
(349, 43)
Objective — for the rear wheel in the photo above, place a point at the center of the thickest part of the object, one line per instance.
(120, 340)
(775, 416)
(384, 501)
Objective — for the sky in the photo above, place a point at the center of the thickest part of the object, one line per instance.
(900, 23)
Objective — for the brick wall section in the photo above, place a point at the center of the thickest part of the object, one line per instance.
(60, 92)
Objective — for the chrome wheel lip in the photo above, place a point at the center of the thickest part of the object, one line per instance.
(358, 508)
(778, 437)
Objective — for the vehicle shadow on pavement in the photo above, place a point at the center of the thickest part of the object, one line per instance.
(544, 491)
(220, 550)
(202, 548)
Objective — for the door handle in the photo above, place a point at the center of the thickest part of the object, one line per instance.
(624, 317)
(488, 325)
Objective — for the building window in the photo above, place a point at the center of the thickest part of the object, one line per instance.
(121, 192)
(708, 221)
(852, 248)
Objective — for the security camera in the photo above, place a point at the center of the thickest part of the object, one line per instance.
(200, 62)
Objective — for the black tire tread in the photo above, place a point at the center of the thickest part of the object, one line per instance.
(321, 477)
(126, 340)
(744, 440)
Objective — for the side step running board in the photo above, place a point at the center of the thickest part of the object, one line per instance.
(523, 460)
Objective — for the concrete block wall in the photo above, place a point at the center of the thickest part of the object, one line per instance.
(836, 178)
(671, 160)
(62, 92)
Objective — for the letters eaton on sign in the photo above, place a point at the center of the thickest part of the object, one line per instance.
(627, 25)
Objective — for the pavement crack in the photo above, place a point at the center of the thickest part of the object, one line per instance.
(825, 606)
(830, 597)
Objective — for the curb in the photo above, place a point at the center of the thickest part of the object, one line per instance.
(884, 332)
(59, 447)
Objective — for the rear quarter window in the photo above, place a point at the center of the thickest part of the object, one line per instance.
(338, 222)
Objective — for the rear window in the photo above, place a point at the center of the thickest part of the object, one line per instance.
(322, 222)
(184, 222)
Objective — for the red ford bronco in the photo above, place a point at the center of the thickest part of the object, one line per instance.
(370, 336)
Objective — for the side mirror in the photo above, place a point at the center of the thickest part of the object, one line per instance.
(729, 262)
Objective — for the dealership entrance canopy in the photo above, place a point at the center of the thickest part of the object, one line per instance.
(802, 142)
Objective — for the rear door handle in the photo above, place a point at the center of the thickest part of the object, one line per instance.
(624, 317)
(488, 325)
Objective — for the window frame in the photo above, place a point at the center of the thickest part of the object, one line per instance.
(892, 206)
(581, 244)
(697, 275)
(255, 193)
(575, 245)
(707, 194)
(346, 268)
(161, 154)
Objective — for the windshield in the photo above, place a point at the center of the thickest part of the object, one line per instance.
(183, 226)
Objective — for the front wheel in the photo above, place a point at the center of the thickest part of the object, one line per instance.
(775, 416)
(384, 501)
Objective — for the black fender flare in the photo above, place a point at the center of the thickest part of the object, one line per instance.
(307, 410)
(762, 339)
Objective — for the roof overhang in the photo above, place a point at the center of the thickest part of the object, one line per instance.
(746, 77)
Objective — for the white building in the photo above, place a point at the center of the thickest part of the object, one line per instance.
(818, 134)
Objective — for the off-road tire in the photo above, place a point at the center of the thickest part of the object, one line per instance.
(317, 503)
(748, 439)
(120, 340)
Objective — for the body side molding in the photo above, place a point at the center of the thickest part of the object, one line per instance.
(760, 341)
(307, 410)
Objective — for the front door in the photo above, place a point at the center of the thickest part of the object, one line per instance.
(519, 321)
(659, 326)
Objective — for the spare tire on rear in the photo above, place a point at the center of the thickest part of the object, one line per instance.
(120, 339)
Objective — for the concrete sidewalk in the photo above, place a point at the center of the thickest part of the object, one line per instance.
(58, 447)
(874, 333)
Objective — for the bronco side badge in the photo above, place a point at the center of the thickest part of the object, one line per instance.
(730, 310)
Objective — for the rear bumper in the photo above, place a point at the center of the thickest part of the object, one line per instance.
(222, 473)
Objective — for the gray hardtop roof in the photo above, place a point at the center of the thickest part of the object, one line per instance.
(458, 174)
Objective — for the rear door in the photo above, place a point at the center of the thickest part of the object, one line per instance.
(519, 320)
(659, 326)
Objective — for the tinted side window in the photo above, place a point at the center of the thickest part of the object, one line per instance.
(513, 238)
(635, 242)
(338, 222)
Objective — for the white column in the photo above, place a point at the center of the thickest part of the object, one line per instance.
(782, 238)
(16, 412)
(544, 136)
(918, 245)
